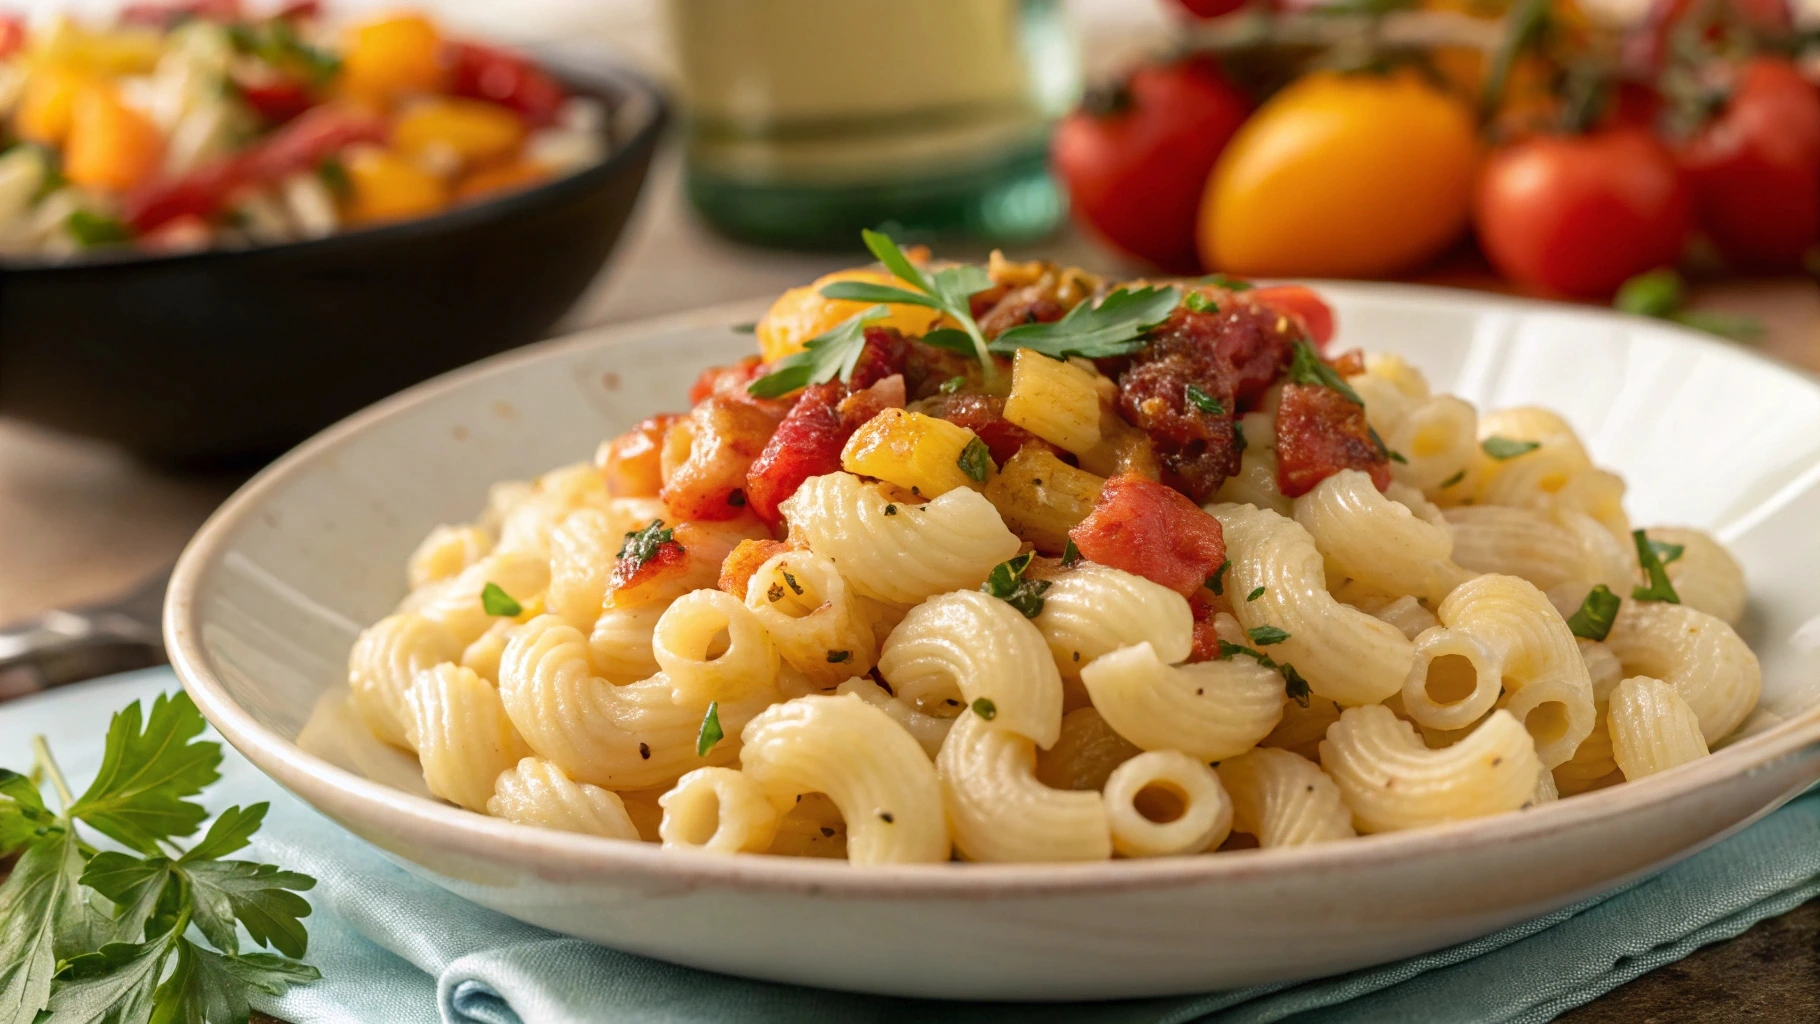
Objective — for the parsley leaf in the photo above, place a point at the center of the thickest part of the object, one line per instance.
(38, 902)
(976, 461)
(1196, 302)
(824, 357)
(642, 546)
(22, 811)
(1114, 327)
(1659, 589)
(113, 985)
(1505, 448)
(984, 708)
(209, 987)
(140, 890)
(946, 290)
(1254, 595)
(1231, 284)
(1665, 551)
(1456, 478)
(260, 896)
(1307, 367)
(1229, 649)
(1006, 583)
(710, 730)
(495, 601)
(1217, 582)
(1070, 553)
(137, 797)
(952, 384)
(1264, 636)
(1596, 614)
(1295, 686)
(1203, 401)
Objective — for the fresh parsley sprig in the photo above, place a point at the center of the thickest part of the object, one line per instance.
(1659, 589)
(824, 357)
(947, 290)
(1596, 614)
(1007, 583)
(1307, 367)
(90, 936)
(1115, 326)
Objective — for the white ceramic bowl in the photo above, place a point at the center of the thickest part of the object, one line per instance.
(266, 602)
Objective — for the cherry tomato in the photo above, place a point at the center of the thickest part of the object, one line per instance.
(1755, 168)
(12, 35)
(1578, 215)
(487, 73)
(1303, 303)
(1135, 169)
(1341, 175)
(1646, 48)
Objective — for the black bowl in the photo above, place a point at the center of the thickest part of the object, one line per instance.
(231, 355)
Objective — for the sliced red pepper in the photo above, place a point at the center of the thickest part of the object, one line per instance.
(503, 77)
(276, 99)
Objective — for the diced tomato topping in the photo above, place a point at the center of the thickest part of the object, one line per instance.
(1319, 433)
(809, 440)
(1206, 638)
(630, 576)
(1154, 531)
(985, 416)
(1305, 305)
(706, 456)
(736, 572)
(12, 35)
(502, 77)
(632, 462)
(275, 99)
(726, 381)
(165, 13)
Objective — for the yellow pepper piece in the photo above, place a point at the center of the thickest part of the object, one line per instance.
(390, 56)
(110, 145)
(802, 313)
(918, 453)
(66, 45)
(506, 177)
(43, 115)
(474, 130)
(386, 187)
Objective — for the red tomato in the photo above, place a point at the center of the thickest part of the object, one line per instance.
(1578, 215)
(1151, 530)
(1302, 303)
(502, 77)
(1755, 168)
(1135, 172)
(275, 98)
(1210, 8)
(12, 35)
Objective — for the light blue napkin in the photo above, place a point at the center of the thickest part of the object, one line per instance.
(397, 949)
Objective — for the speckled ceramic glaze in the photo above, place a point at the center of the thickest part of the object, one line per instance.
(269, 596)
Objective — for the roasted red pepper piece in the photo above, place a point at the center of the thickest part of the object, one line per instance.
(1154, 531)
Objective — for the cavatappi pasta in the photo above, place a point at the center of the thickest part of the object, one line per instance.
(876, 600)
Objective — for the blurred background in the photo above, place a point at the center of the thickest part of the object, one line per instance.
(196, 271)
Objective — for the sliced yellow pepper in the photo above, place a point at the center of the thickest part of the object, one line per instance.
(384, 186)
(475, 131)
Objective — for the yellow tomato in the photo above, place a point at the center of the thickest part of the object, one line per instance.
(110, 145)
(391, 55)
(471, 130)
(802, 313)
(1341, 176)
(384, 186)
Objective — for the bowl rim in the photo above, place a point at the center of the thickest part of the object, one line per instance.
(431, 823)
(608, 78)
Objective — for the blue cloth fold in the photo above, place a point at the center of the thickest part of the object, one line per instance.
(394, 948)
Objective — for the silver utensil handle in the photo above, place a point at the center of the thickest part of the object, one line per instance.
(61, 647)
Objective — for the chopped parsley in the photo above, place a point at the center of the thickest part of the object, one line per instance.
(1231, 284)
(1217, 582)
(775, 593)
(1205, 402)
(1456, 478)
(642, 546)
(1254, 595)
(1006, 583)
(1229, 650)
(91, 230)
(1384, 449)
(984, 708)
(334, 176)
(1264, 636)
(1596, 615)
(836, 657)
(495, 601)
(1505, 448)
(710, 730)
(1115, 326)
(1665, 551)
(1295, 686)
(1199, 303)
(833, 353)
(1238, 436)
(1307, 367)
(795, 587)
(1659, 589)
(953, 384)
(1070, 553)
(975, 461)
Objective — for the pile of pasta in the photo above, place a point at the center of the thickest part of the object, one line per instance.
(904, 680)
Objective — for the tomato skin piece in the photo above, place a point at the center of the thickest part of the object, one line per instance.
(1305, 305)
(1135, 175)
(1152, 530)
(1579, 215)
(503, 77)
(1755, 169)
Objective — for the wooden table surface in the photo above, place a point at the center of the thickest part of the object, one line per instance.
(80, 522)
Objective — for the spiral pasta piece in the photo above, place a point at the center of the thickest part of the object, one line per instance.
(718, 810)
(1284, 799)
(874, 772)
(999, 811)
(383, 667)
(899, 553)
(620, 646)
(1652, 728)
(1706, 662)
(1392, 781)
(1705, 576)
(536, 792)
(462, 735)
(1095, 609)
(1210, 710)
(446, 552)
(1195, 813)
(982, 649)
(685, 646)
(928, 730)
(1343, 653)
(816, 620)
(1367, 537)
